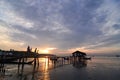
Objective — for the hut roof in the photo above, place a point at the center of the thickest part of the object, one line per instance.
(79, 52)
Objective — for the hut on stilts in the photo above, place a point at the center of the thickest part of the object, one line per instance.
(78, 55)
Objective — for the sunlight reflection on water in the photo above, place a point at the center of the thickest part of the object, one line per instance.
(43, 69)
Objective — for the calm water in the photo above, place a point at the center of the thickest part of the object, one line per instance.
(99, 68)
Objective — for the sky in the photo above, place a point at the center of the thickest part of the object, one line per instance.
(61, 26)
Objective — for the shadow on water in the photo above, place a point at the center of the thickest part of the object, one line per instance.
(2, 71)
(80, 64)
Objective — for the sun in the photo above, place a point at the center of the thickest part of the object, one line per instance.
(44, 51)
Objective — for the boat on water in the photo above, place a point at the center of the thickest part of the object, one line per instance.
(12, 60)
(8, 59)
(16, 62)
(87, 58)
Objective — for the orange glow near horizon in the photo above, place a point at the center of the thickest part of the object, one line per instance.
(46, 50)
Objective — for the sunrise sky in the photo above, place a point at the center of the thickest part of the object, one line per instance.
(61, 26)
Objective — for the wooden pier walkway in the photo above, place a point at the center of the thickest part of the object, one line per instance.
(7, 57)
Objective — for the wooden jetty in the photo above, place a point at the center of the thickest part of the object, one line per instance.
(10, 57)
(20, 58)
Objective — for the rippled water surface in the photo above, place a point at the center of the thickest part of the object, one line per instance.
(99, 68)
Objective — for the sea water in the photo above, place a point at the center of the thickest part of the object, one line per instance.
(98, 68)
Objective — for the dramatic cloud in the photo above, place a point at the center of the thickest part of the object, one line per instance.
(65, 25)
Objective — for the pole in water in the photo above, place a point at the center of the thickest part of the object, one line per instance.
(19, 65)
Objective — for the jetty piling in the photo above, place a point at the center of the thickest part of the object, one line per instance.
(19, 61)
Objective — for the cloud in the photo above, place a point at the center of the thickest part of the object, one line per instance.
(5, 39)
(64, 24)
(9, 16)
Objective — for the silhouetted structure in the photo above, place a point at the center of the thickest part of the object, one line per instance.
(79, 59)
(35, 50)
(29, 49)
(78, 54)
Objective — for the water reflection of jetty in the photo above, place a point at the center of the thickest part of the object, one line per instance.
(78, 59)
(80, 64)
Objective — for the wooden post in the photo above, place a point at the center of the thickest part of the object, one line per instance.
(34, 63)
(2, 69)
(38, 61)
(19, 65)
(22, 69)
